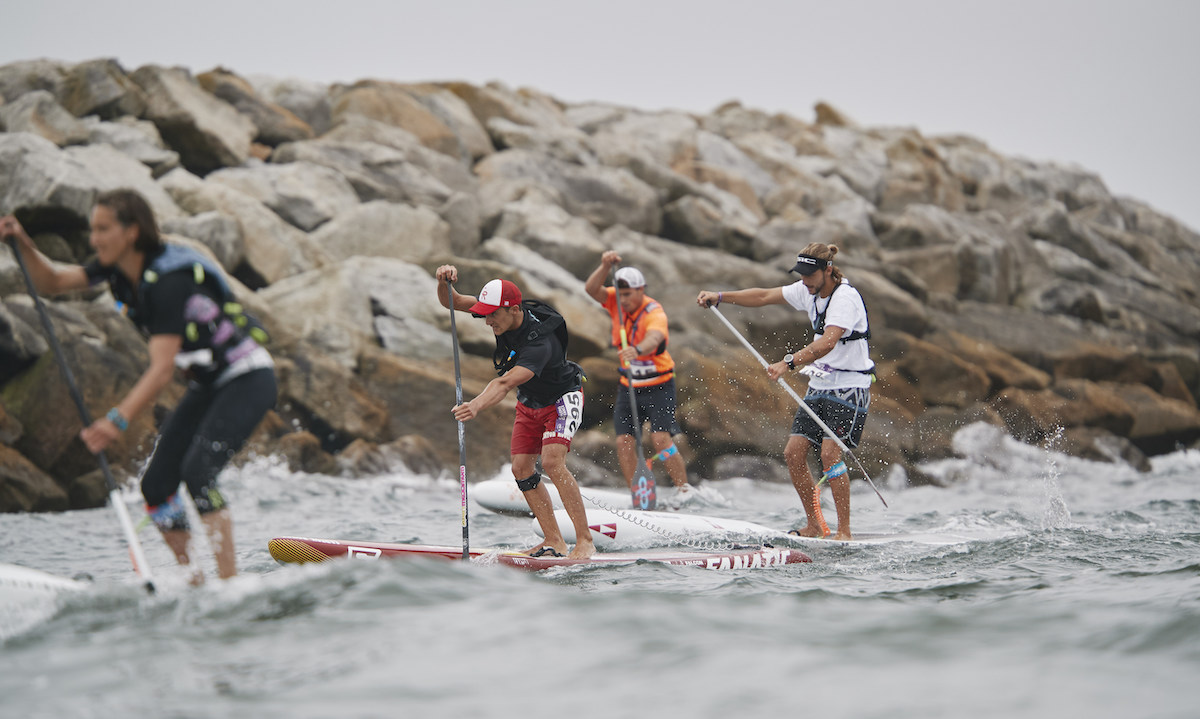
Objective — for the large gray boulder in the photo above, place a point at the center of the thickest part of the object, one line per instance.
(604, 196)
(971, 257)
(101, 87)
(376, 172)
(668, 138)
(346, 306)
(273, 248)
(452, 173)
(41, 176)
(20, 343)
(496, 100)
(455, 114)
(305, 194)
(24, 76)
(136, 138)
(393, 104)
(385, 229)
(567, 144)
(307, 100)
(220, 233)
(552, 232)
(208, 133)
(274, 124)
(716, 151)
(39, 113)
(397, 172)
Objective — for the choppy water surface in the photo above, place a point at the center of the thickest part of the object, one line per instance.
(1078, 596)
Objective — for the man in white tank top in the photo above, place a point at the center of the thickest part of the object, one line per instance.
(840, 369)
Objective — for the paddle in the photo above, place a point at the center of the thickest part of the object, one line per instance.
(642, 489)
(462, 443)
(803, 405)
(114, 493)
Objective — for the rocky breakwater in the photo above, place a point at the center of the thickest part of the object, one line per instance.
(1000, 290)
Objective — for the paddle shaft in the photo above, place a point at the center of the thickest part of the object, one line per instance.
(114, 493)
(800, 401)
(462, 442)
(646, 499)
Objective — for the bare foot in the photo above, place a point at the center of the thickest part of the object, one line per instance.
(808, 532)
(582, 550)
(843, 537)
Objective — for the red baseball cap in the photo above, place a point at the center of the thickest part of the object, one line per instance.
(494, 295)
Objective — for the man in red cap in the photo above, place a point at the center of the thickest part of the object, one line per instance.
(530, 356)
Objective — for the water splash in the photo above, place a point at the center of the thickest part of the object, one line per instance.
(1056, 514)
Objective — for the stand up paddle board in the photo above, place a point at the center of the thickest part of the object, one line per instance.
(502, 497)
(632, 528)
(301, 550)
(929, 538)
(19, 583)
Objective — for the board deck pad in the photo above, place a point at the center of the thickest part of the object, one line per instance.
(303, 550)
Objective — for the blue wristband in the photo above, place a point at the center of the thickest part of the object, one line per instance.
(114, 415)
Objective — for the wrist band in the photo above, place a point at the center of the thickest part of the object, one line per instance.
(720, 296)
(114, 415)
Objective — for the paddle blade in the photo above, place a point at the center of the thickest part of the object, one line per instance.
(644, 494)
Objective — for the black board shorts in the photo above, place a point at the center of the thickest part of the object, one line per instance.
(843, 410)
(655, 403)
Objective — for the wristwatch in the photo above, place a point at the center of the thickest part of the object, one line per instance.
(790, 359)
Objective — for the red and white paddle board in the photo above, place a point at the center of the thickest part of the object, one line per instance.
(300, 550)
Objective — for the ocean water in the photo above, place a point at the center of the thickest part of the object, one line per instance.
(1077, 595)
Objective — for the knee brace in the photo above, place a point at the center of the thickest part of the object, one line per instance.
(530, 482)
(170, 515)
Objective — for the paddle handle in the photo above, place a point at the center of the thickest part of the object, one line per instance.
(800, 401)
(114, 493)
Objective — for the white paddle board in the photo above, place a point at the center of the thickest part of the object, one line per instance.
(19, 584)
(502, 497)
(632, 528)
(861, 538)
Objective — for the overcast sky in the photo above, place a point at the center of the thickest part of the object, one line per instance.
(1109, 85)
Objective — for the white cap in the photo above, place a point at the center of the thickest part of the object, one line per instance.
(632, 277)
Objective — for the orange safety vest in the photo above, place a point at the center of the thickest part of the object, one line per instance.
(653, 368)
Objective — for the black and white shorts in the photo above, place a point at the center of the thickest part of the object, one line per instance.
(843, 410)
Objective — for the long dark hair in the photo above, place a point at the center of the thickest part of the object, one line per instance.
(132, 210)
